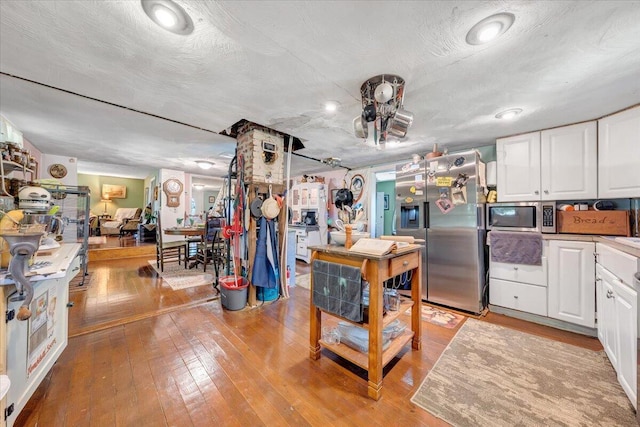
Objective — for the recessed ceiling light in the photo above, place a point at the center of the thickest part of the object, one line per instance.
(331, 106)
(508, 114)
(203, 164)
(490, 28)
(168, 15)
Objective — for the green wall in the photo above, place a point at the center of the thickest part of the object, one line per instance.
(388, 187)
(135, 192)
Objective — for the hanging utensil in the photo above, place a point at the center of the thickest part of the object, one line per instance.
(256, 204)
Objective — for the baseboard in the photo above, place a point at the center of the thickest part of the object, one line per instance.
(546, 321)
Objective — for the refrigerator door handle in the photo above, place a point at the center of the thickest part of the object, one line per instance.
(426, 215)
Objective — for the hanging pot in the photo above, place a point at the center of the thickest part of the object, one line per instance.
(434, 153)
(360, 128)
(400, 123)
(255, 206)
(344, 197)
(369, 113)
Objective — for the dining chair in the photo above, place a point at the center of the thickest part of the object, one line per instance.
(211, 250)
(168, 251)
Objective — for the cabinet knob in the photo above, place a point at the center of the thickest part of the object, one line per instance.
(515, 296)
(546, 191)
(598, 279)
(515, 268)
(405, 263)
(610, 294)
(536, 192)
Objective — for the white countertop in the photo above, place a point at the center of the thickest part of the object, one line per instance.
(60, 259)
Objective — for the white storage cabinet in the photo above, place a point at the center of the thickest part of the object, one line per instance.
(571, 286)
(555, 164)
(618, 313)
(619, 155)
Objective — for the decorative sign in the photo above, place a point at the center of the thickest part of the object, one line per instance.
(57, 170)
(444, 181)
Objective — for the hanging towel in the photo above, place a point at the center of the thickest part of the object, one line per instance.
(265, 270)
(516, 247)
(337, 289)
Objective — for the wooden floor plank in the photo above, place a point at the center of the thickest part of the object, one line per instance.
(147, 355)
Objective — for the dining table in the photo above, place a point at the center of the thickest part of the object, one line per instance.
(188, 232)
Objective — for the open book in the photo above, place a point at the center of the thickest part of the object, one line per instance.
(377, 246)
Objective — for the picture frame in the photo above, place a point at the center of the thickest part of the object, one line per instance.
(212, 199)
(112, 191)
(386, 202)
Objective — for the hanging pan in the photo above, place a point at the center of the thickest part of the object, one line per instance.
(256, 205)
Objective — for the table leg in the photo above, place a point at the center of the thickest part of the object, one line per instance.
(376, 290)
(315, 325)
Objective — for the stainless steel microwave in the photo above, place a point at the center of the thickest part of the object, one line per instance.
(537, 217)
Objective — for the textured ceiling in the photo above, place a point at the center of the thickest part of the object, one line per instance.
(277, 63)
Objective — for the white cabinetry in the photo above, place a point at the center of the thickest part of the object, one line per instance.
(555, 164)
(618, 313)
(571, 287)
(619, 155)
(307, 200)
(518, 286)
(518, 167)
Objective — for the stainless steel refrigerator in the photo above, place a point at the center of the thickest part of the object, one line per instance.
(455, 231)
(410, 214)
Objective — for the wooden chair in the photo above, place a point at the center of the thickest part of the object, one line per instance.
(169, 251)
(212, 249)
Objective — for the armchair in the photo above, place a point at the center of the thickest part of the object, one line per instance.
(123, 215)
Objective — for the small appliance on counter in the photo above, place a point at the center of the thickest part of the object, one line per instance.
(34, 199)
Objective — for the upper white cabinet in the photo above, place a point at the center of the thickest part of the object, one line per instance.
(571, 286)
(619, 154)
(555, 164)
(569, 162)
(518, 167)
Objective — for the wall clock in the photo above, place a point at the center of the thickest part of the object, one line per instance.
(57, 170)
(172, 188)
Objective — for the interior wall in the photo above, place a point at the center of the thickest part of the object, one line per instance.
(71, 163)
(135, 192)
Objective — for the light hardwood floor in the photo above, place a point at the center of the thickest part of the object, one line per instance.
(144, 355)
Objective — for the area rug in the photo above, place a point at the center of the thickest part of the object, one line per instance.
(491, 375)
(178, 277)
(439, 317)
(302, 280)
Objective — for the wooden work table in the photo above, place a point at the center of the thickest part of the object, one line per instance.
(375, 269)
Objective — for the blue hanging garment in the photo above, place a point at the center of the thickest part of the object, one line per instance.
(265, 272)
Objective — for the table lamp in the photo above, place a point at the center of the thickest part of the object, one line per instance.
(105, 200)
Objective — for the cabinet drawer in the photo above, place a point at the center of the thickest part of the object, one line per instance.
(301, 249)
(403, 263)
(302, 239)
(518, 296)
(301, 232)
(531, 274)
(74, 268)
(622, 265)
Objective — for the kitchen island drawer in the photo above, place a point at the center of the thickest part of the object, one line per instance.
(399, 265)
(518, 296)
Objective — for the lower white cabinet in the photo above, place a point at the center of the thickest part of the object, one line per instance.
(571, 287)
(618, 314)
(305, 237)
(519, 296)
(607, 313)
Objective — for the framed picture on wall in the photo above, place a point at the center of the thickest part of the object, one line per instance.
(110, 191)
(386, 202)
(212, 199)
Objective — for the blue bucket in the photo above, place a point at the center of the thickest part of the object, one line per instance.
(266, 294)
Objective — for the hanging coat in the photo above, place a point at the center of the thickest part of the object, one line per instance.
(265, 263)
